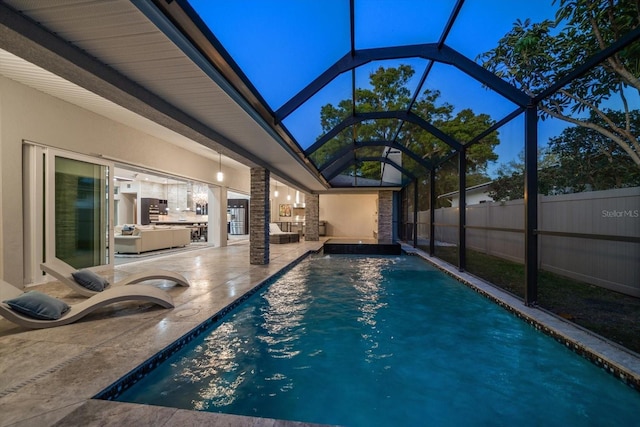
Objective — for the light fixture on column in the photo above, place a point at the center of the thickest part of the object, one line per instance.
(275, 193)
(220, 175)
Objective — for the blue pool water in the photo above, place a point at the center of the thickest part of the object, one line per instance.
(384, 341)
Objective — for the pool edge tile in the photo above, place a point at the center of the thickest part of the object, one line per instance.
(608, 356)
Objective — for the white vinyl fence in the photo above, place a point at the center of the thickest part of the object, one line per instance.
(608, 263)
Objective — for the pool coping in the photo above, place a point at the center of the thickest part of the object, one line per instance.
(616, 360)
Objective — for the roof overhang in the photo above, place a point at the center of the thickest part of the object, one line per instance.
(120, 57)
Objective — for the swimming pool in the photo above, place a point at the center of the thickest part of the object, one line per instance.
(383, 341)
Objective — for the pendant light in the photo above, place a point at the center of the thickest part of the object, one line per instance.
(288, 195)
(220, 175)
(275, 193)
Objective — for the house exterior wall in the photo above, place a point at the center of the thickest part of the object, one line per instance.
(349, 215)
(27, 114)
(474, 197)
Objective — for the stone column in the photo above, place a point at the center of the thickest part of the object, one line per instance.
(385, 215)
(311, 217)
(259, 214)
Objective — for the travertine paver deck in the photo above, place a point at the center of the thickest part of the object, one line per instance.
(48, 376)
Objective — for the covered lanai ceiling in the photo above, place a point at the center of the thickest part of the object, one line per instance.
(252, 78)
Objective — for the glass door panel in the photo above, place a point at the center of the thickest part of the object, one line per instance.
(81, 212)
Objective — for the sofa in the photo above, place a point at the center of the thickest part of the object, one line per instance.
(276, 235)
(145, 238)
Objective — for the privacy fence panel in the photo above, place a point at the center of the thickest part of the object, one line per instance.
(423, 227)
(446, 220)
(585, 224)
(608, 263)
(502, 225)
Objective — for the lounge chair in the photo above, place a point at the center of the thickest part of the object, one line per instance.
(276, 235)
(112, 295)
(64, 273)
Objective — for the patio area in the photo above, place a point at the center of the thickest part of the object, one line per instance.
(48, 376)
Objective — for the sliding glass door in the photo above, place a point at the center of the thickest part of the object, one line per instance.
(67, 206)
(81, 206)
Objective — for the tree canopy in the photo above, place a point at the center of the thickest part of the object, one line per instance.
(389, 91)
(579, 159)
(533, 56)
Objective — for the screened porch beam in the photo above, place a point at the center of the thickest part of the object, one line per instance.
(362, 144)
(349, 161)
(430, 51)
(399, 115)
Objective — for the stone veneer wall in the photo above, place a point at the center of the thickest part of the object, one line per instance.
(312, 217)
(385, 215)
(259, 214)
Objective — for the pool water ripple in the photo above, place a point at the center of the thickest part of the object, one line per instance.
(384, 341)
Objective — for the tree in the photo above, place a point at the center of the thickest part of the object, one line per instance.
(587, 160)
(509, 184)
(389, 92)
(579, 159)
(534, 56)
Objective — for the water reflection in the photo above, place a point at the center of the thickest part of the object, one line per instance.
(370, 300)
(216, 367)
(252, 354)
(225, 363)
(283, 315)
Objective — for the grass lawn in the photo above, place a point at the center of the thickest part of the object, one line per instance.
(611, 314)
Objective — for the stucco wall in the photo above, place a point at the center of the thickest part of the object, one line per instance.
(27, 114)
(349, 215)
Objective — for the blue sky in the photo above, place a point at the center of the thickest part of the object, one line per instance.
(282, 45)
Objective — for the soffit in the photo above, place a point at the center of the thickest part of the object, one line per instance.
(118, 35)
(19, 70)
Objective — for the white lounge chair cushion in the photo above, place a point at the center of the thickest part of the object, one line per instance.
(275, 229)
(38, 305)
(90, 280)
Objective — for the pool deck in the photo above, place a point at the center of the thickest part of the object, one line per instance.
(48, 376)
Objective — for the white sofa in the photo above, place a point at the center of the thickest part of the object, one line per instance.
(151, 238)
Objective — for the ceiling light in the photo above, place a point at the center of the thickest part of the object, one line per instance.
(219, 175)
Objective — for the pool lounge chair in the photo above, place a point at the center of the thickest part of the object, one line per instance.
(112, 295)
(276, 235)
(64, 273)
